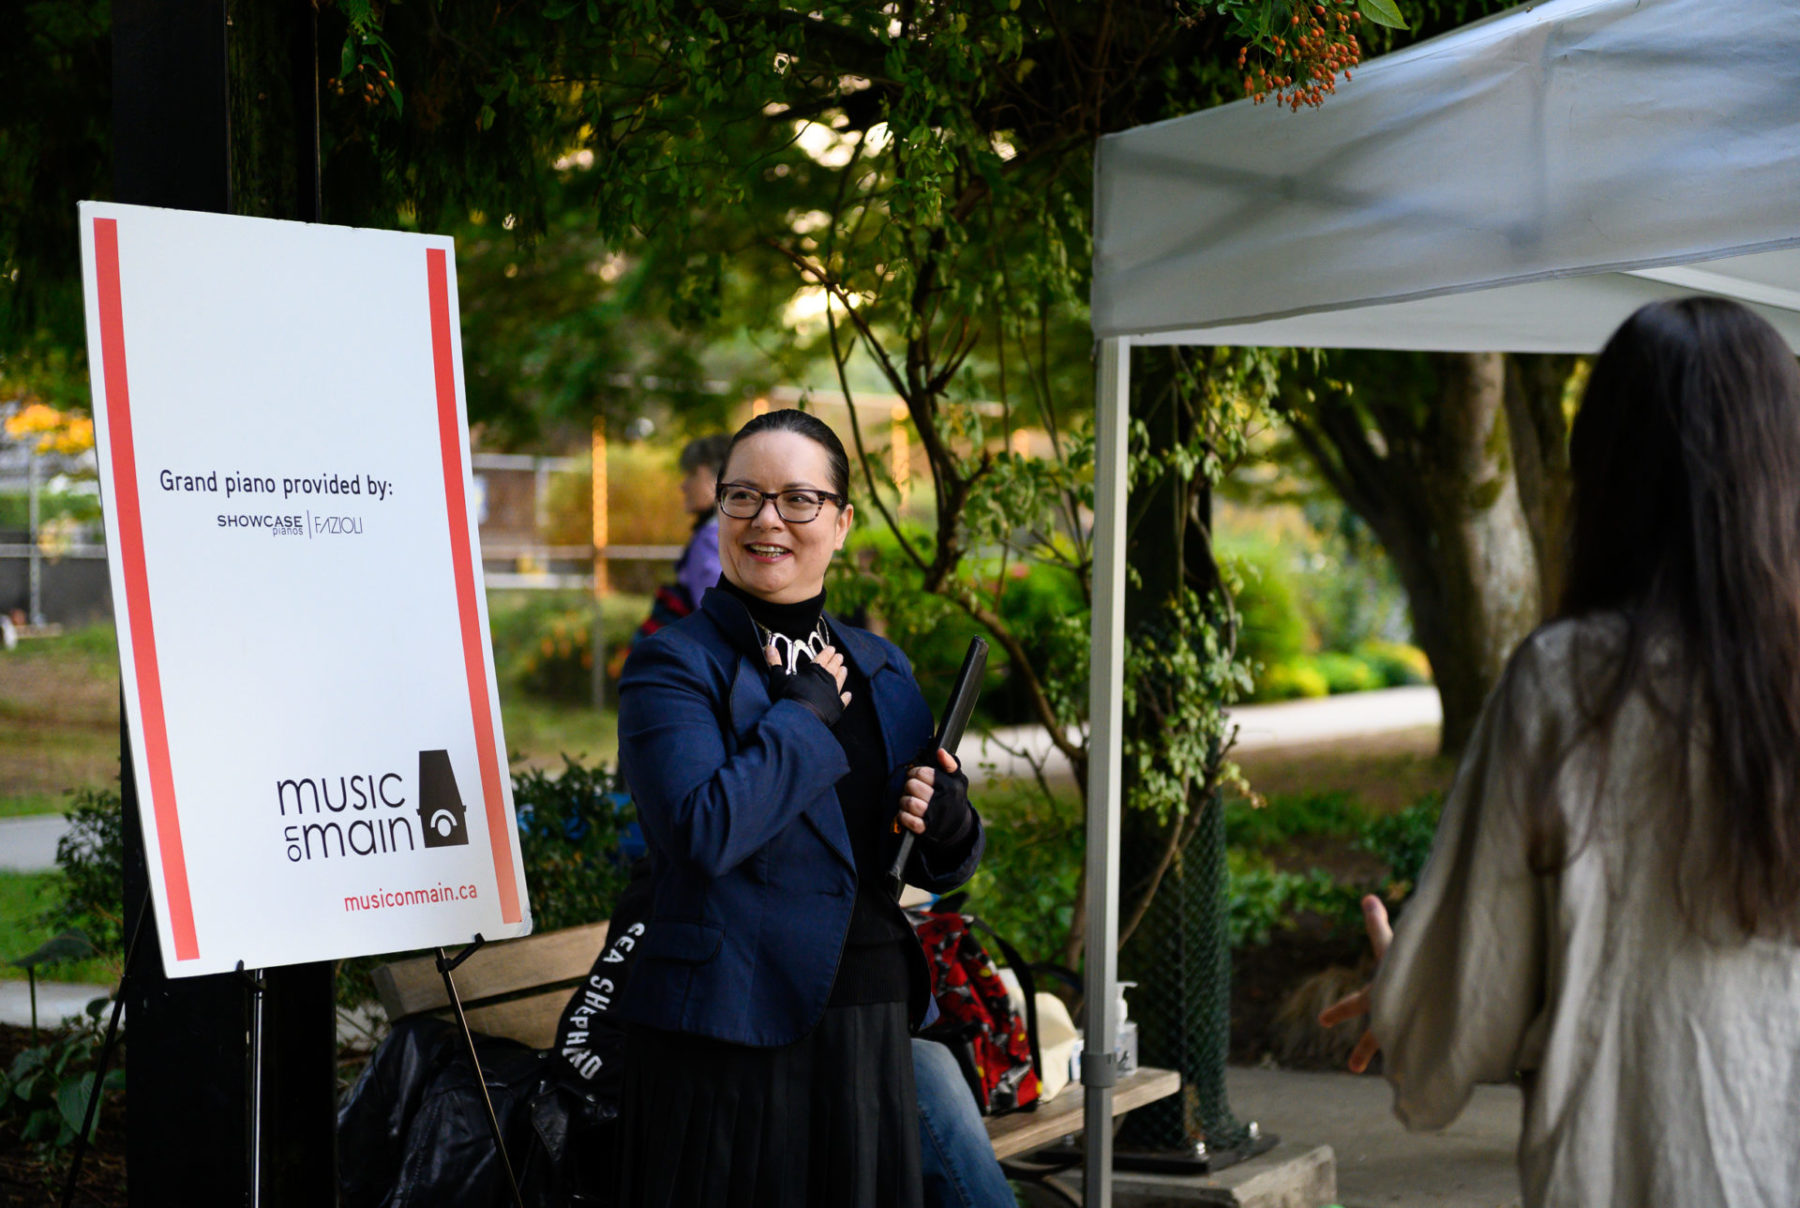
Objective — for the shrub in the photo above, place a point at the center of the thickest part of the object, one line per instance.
(1395, 663)
(45, 1091)
(1287, 816)
(1272, 625)
(572, 828)
(1265, 899)
(1288, 681)
(91, 854)
(1402, 841)
(1025, 886)
(1345, 673)
(558, 663)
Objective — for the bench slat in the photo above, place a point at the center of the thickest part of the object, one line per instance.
(410, 986)
(531, 1020)
(1020, 1132)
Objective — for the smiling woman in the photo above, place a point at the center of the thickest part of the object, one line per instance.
(773, 753)
(784, 505)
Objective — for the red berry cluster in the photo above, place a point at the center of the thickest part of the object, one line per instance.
(374, 84)
(1305, 59)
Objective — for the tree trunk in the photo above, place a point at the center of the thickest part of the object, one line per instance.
(1539, 427)
(1173, 871)
(1424, 455)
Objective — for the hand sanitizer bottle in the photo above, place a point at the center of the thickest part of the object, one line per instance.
(1128, 1033)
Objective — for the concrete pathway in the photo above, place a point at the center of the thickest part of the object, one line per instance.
(1008, 753)
(29, 844)
(1471, 1164)
(55, 1001)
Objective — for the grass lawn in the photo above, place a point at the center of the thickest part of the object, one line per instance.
(24, 896)
(539, 733)
(1385, 772)
(59, 712)
(26, 805)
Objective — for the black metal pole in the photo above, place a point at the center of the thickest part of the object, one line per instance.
(215, 108)
(446, 966)
(106, 1052)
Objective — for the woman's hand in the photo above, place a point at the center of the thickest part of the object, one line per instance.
(922, 785)
(1375, 921)
(819, 685)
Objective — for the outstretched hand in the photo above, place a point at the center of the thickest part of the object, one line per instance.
(915, 795)
(1381, 934)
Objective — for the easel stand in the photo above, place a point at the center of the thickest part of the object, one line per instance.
(446, 966)
(253, 978)
(106, 1052)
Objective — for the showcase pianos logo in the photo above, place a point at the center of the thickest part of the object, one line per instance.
(366, 814)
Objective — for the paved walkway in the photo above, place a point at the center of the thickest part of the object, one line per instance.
(29, 844)
(55, 1001)
(1471, 1164)
(1009, 753)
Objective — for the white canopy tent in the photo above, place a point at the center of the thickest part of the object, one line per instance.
(1522, 184)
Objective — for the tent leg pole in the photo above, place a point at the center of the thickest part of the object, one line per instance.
(1099, 1062)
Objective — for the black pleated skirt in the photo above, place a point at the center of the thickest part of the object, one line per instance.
(830, 1121)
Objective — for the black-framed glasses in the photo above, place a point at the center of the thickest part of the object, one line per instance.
(797, 506)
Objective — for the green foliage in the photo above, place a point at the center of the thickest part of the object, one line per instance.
(558, 662)
(1290, 681)
(1027, 881)
(15, 508)
(1395, 664)
(1180, 670)
(1291, 815)
(1402, 841)
(1382, 12)
(1272, 625)
(569, 826)
(44, 1093)
(1265, 899)
(91, 857)
(1345, 672)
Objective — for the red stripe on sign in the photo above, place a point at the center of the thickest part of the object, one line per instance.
(450, 438)
(137, 590)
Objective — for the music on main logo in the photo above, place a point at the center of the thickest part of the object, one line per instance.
(442, 815)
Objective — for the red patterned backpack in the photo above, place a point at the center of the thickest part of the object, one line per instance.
(998, 1051)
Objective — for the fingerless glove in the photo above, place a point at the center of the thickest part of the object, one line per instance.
(812, 686)
(947, 815)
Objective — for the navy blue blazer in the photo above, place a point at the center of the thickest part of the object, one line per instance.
(754, 881)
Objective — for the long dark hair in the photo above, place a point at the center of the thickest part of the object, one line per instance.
(811, 427)
(1686, 522)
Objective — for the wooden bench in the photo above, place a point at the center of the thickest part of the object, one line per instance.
(518, 989)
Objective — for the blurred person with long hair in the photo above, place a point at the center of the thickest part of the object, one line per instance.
(1612, 903)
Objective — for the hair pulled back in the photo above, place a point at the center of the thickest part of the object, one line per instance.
(791, 420)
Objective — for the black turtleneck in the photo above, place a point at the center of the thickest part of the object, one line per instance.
(874, 967)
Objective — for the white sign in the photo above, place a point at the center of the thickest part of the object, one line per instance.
(296, 576)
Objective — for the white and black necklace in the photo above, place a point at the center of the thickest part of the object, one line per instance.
(789, 650)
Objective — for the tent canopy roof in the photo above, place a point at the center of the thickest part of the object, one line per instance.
(1522, 184)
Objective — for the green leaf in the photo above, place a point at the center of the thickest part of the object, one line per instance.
(70, 945)
(71, 1100)
(1382, 12)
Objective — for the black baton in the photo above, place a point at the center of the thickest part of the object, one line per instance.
(950, 731)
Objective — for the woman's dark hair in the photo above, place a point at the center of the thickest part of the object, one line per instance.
(790, 420)
(1686, 520)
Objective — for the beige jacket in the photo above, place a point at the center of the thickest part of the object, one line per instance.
(1659, 1067)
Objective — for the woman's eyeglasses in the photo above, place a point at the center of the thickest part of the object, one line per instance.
(741, 502)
